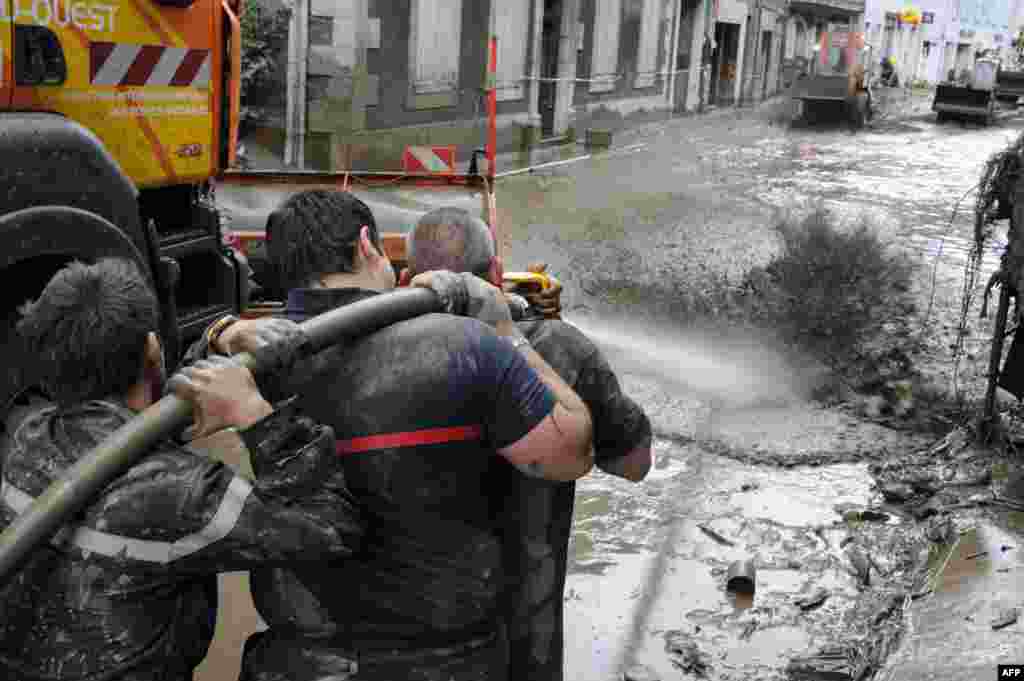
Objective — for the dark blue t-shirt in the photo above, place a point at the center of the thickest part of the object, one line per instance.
(419, 409)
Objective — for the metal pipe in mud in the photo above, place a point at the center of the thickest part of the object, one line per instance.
(741, 577)
(78, 486)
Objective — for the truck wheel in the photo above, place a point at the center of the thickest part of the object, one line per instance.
(38, 242)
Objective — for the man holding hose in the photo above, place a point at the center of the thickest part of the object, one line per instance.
(537, 514)
(424, 411)
(127, 592)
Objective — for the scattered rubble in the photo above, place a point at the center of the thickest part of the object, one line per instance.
(888, 608)
(829, 664)
(685, 654)
(748, 630)
(860, 564)
(716, 536)
(812, 600)
(1005, 618)
(640, 672)
(897, 492)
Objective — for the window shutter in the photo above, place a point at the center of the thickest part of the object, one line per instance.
(436, 41)
(513, 17)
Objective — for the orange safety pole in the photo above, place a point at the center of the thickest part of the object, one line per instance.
(235, 84)
(492, 141)
(492, 106)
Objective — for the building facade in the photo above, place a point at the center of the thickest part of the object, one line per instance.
(765, 47)
(367, 73)
(950, 37)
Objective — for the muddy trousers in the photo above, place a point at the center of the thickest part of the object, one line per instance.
(269, 656)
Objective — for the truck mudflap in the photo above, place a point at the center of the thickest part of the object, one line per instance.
(963, 101)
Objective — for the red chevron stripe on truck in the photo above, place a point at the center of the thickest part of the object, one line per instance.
(122, 64)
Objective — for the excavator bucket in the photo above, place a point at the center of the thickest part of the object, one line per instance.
(1010, 85)
(962, 101)
(975, 99)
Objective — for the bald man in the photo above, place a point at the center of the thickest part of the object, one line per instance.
(538, 513)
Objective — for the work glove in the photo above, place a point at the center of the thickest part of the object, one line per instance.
(548, 301)
(275, 343)
(223, 394)
(467, 295)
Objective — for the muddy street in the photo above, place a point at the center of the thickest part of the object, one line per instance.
(686, 205)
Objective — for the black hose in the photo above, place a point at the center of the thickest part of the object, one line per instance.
(79, 485)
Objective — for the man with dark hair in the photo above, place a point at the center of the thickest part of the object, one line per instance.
(423, 411)
(125, 593)
(311, 236)
(539, 512)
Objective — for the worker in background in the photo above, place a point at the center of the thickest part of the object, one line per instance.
(126, 593)
(538, 513)
(424, 411)
(889, 76)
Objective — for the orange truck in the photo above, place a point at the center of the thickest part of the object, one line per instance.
(119, 125)
(836, 85)
(113, 119)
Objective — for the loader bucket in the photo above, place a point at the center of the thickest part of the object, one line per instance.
(958, 101)
(1010, 85)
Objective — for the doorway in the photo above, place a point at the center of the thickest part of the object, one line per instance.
(766, 62)
(724, 63)
(551, 33)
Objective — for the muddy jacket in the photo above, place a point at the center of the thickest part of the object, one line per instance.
(420, 409)
(128, 592)
(538, 513)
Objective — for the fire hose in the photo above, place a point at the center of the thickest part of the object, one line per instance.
(80, 484)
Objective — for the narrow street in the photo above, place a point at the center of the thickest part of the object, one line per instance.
(689, 203)
(649, 239)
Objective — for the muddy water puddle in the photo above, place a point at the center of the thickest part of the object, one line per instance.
(624, 598)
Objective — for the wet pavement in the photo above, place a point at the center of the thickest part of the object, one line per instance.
(687, 203)
(747, 466)
(649, 561)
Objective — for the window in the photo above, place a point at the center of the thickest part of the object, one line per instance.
(434, 46)
(513, 23)
(928, 17)
(604, 63)
(647, 58)
(926, 49)
(321, 30)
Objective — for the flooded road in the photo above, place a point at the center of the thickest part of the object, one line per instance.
(747, 467)
(644, 571)
(648, 562)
